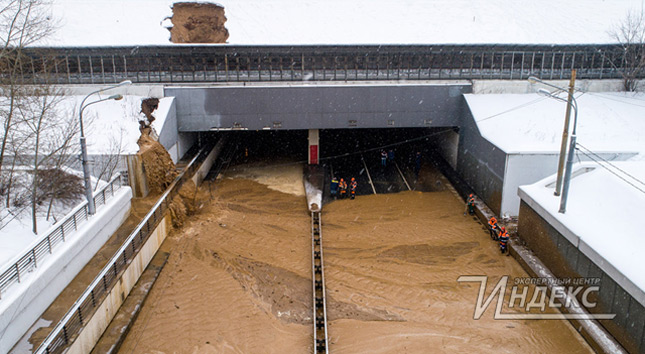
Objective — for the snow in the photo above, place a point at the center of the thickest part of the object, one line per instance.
(605, 212)
(16, 235)
(532, 123)
(113, 122)
(105, 123)
(258, 22)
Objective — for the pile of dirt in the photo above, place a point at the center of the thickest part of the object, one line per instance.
(198, 23)
(185, 203)
(157, 164)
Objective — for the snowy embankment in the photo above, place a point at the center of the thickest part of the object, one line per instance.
(604, 217)
(257, 22)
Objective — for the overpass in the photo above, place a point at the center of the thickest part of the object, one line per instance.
(235, 63)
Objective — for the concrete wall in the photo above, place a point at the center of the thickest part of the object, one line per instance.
(567, 256)
(317, 106)
(523, 86)
(25, 302)
(447, 143)
(480, 163)
(205, 167)
(528, 168)
(101, 319)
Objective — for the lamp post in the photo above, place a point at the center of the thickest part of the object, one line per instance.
(565, 131)
(91, 207)
(572, 145)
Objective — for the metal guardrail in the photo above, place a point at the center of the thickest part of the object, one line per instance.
(228, 63)
(65, 331)
(13, 272)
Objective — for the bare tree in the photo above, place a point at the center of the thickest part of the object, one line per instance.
(105, 167)
(630, 35)
(22, 23)
(50, 136)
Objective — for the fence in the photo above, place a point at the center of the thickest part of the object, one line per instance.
(29, 260)
(199, 63)
(82, 310)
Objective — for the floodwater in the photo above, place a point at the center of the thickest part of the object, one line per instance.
(239, 278)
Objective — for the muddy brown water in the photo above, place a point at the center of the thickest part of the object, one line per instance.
(238, 280)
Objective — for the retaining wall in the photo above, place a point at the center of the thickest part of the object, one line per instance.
(567, 258)
(25, 302)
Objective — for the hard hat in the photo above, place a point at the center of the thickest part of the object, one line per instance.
(342, 179)
(352, 178)
(470, 195)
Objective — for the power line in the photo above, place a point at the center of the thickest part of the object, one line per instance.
(512, 109)
(612, 172)
(610, 164)
(617, 100)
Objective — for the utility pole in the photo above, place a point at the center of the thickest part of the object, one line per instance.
(565, 134)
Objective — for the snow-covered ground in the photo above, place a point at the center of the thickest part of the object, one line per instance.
(114, 122)
(16, 233)
(141, 22)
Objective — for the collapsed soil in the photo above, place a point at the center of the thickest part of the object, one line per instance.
(239, 279)
(198, 23)
(158, 167)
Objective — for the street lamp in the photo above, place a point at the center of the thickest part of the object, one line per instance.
(565, 131)
(91, 207)
(572, 145)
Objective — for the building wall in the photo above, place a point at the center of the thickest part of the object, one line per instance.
(568, 257)
(318, 106)
(480, 163)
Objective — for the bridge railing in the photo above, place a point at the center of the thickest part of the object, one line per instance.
(30, 260)
(190, 64)
(68, 328)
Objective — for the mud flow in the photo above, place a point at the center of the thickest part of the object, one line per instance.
(239, 275)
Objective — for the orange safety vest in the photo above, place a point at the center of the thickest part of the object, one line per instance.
(492, 222)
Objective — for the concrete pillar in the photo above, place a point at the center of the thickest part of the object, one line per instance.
(314, 149)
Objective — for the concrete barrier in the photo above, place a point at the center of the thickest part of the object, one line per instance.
(26, 301)
(101, 319)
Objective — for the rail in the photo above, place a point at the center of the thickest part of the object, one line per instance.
(13, 272)
(321, 344)
(65, 331)
(228, 63)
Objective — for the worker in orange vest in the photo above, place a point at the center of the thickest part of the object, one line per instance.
(492, 228)
(343, 188)
(352, 188)
(503, 240)
(470, 205)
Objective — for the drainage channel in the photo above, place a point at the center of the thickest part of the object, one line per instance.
(320, 303)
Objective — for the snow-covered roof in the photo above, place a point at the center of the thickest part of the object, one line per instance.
(607, 122)
(141, 22)
(605, 213)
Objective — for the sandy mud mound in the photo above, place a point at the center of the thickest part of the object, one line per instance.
(198, 23)
(157, 164)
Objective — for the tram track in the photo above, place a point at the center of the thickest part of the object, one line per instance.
(321, 344)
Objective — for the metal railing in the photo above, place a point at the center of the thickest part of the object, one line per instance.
(14, 271)
(229, 63)
(65, 331)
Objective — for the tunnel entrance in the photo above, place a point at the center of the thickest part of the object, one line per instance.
(348, 153)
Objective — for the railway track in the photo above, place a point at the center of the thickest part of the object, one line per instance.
(321, 344)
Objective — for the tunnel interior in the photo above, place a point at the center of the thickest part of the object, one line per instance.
(347, 153)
